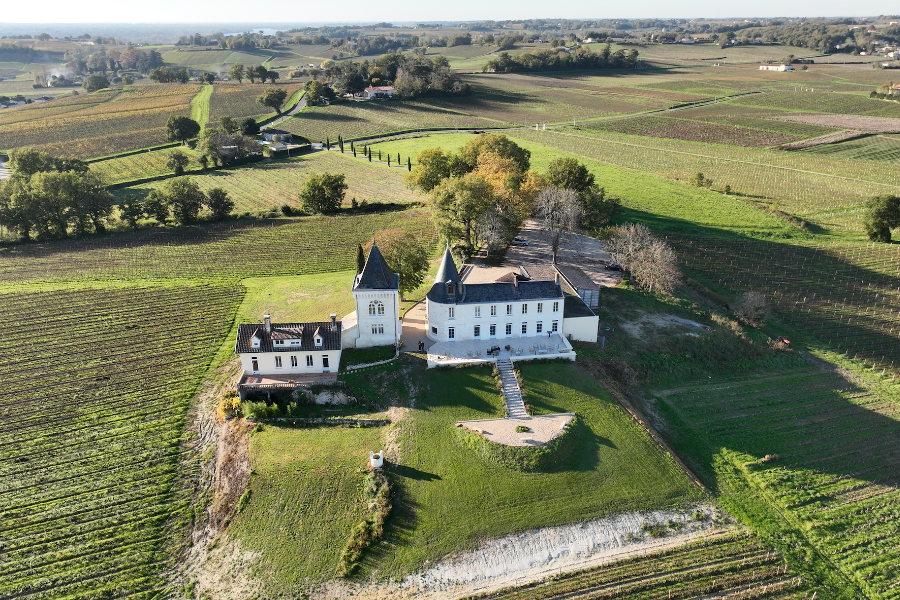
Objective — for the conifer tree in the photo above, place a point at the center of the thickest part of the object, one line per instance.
(360, 258)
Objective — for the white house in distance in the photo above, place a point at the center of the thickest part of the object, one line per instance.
(378, 91)
(776, 68)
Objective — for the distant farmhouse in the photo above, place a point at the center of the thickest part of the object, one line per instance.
(380, 91)
(776, 68)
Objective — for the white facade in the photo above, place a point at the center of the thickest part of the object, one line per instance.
(582, 329)
(776, 68)
(494, 320)
(376, 292)
(291, 363)
(377, 319)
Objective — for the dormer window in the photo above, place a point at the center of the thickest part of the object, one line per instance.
(450, 288)
(279, 342)
(318, 341)
(254, 342)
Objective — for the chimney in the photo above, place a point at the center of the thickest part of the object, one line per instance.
(515, 280)
(556, 278)
(267, 319)
(333, 322)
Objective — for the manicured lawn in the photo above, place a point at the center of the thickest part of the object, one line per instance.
(451, 498)
(446, 497)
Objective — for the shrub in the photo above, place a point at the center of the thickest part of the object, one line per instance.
(370, 530)
(286, 210)
(751, 308)
(522, 429)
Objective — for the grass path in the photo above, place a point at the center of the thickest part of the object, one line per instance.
(200, 105)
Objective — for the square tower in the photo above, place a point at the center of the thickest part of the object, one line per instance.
(376, 292)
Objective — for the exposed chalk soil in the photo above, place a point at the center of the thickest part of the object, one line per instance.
(533, 555)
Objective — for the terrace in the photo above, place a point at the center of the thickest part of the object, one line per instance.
(270, 383)
(520, 348)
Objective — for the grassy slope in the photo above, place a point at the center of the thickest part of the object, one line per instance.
(448, 499)
(306, 491)
(669, 204)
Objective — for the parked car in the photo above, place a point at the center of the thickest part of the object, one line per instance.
(613, 266)
(519, 242)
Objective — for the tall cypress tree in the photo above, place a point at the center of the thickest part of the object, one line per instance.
(408, 164)
(360, 259)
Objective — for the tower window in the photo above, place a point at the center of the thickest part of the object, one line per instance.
(376, 307)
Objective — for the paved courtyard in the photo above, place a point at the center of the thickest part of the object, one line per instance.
(521, 348)
(580, 251)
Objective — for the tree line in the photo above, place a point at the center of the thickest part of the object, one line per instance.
(49, 198)
(562, 60)
(411, 76)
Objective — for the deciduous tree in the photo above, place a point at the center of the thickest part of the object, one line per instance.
(457, 203)
(323, 192)
(218, 203)
(177, 161)
(236, 72)
(882, 215)
(179, 128)
(406, 254)
(131, 209)
(651, 262)
(95, 82)
(560, 212)
(273, 98)
(185, 199)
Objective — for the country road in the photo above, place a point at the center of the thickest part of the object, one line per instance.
(301, 103)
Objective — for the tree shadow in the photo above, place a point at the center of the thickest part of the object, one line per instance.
(407, 472)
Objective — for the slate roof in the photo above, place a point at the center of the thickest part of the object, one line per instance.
(480, 293)
(376, 275)
(447, 269)
(574, 306)
(305, 332)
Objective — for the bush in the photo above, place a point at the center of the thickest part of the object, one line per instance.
(286, 210)
(260, 410)
(751, 308)
(522, 429)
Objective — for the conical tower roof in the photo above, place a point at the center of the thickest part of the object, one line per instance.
(447, 271)
(377, 275)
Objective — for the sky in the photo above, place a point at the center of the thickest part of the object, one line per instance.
(347, 11)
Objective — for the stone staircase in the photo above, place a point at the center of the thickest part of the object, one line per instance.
(509, 386)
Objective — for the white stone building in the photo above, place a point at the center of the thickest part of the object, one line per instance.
(376, 320)
(519, 310)
(278, 354)
(776, 68)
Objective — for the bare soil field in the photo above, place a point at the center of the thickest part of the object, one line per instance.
(857, 122)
